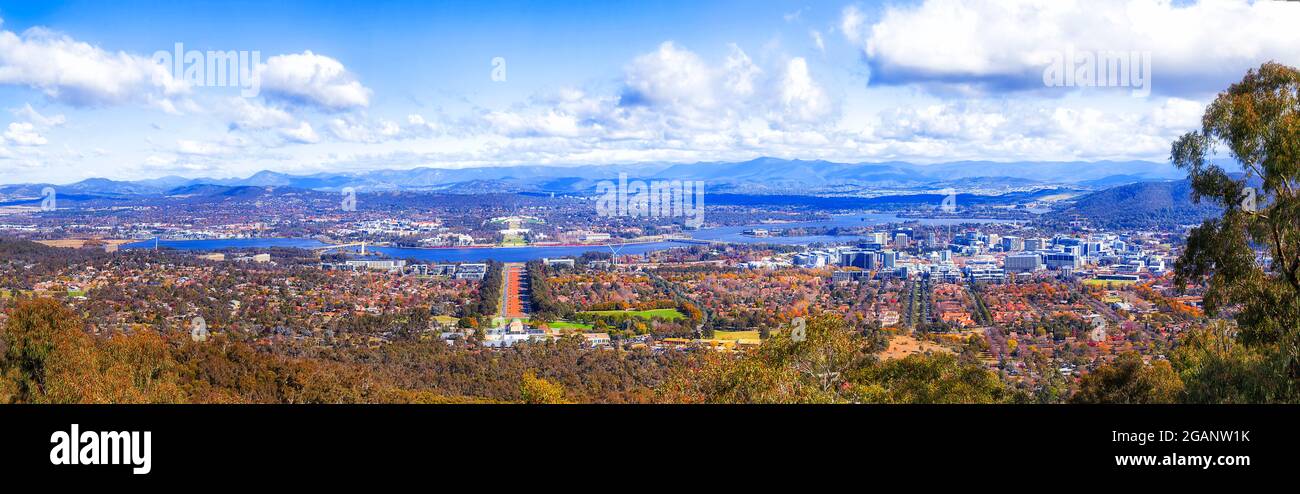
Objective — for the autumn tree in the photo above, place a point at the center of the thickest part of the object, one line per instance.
(49, 359)
(1218, 368)
(939, 378)
(39, 338)
(1257, 121)
(537, 391)
(829, 362)
(1129, 380)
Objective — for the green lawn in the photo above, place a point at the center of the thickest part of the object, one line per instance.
(514, 241)
(9, 293)
(669, 314)
(569, 325)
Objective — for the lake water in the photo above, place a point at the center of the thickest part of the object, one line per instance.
(523, 254)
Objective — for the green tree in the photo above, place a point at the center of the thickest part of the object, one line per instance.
(40, 336)
(49, 359)
(1130, 380)
(830, 363)
(1257, 121)
(1217, 368)
(936, 378)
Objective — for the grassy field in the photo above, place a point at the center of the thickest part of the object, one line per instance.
(569, 325)
(78, 243)
(669, 314)
(904, 345)
(736, 335)
(514, 241)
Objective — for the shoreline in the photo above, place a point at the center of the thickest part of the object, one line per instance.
(533, 246)
(372, 246)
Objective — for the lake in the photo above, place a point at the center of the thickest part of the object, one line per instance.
(523, 254)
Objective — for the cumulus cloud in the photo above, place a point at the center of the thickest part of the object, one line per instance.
(674, 98)
(670, 76)
(356, 129)
(418, 126)
(24, 134)
(801, 95)
(244, 113)
(311, 79)
(739, 73)
(80, 74)
(198, 148)
(1016, 129)
(1006, 44)
(302, 134)
(674, 81)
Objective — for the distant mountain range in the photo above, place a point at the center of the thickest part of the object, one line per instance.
(758, 176)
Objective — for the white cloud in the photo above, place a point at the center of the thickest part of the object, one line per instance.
(676, 102)
(739, 74)
(674, 86)
(418, 126)
(248, 114)
(81, 74)
(355, 129)
(1179, 114)
(1005, 44)
(802, 96)
(24, 134)
(851, 21)
(670, 76)
(29, 114)
(1029, 130)
(551, 124)
(198, 148)
(155, 160)
(312, 79)
(302, 134)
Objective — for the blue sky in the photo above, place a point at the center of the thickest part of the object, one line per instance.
(368, 85)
